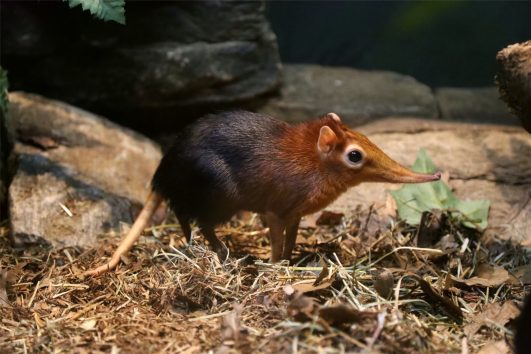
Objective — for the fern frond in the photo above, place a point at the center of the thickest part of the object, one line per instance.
(107, 10)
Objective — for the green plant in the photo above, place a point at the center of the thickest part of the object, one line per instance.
(413, 199)
(107, 10)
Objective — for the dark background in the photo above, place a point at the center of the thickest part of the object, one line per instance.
(440, 43)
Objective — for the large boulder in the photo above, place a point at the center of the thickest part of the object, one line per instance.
(483, 161)
(514, 79)
(479, 104)
(356, 95)
(170, 59)
(78, 175)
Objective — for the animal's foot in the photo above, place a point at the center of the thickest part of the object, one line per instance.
(99, 270)
(223, 252)
(104, 268)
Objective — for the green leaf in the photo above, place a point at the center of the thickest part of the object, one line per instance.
(423, 163)
(107, 10)
(473, 213)
(414, 199)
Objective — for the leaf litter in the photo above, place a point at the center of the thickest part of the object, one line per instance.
(396, 290)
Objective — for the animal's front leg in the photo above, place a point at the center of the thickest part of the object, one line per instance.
(276, 236)
(291, 238)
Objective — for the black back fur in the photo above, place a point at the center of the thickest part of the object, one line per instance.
(212, 164)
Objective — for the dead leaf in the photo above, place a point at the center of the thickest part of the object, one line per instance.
(384, 283)
(499, 347)
(342, 314)
(323, 280)
(447, 244)
(487, 276)
(88, 325)
(521, 275)
(302, 308)
(309, 285)
(389, 208)
(231, 328)
(493, 312)
(14, 273)
(330, 218)
(439, 301)
(325, 273)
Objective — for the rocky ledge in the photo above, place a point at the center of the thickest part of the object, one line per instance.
(79, 176)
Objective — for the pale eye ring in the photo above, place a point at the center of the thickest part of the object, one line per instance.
(355, 156)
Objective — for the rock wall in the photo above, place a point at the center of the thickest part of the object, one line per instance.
(171, 59)
(357, 95)
(175, 61)
(363, 96)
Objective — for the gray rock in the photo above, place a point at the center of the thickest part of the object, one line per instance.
(6, 146)
(171, 57)
(356, 95)
(78, 175)
(480, 104)
(483, 161)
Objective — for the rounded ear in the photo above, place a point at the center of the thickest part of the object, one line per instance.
(327, 139)
(334, 117)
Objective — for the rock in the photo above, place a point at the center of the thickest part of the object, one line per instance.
(514, 79)
(480, 104)
(6, 146)
(356, 95)
(5, 151)
(484, 162)
(170, 59)
(78, 175)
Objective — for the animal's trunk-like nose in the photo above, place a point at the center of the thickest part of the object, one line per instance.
(391, 171)
(407, 176)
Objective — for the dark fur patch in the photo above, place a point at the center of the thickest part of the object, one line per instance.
(211, 164)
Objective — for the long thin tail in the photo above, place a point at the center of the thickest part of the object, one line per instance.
(153, 201)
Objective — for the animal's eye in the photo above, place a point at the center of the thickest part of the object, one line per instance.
(355, 156)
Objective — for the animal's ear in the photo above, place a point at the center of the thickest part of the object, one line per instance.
(327, 139)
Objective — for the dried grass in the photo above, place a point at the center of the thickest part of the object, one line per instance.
(171, 297)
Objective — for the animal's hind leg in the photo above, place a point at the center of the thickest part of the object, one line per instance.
(215, 243)
(185, 227)
(276, 236)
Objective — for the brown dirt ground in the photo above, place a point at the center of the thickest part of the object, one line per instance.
(350, 291)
